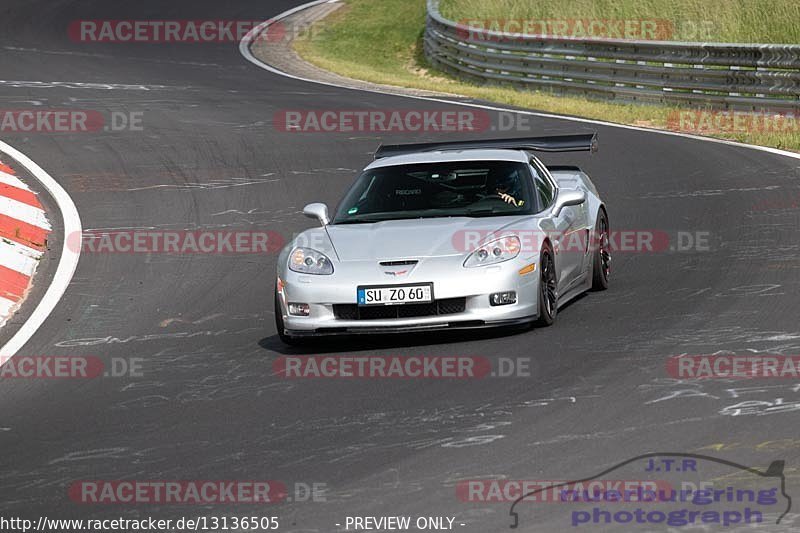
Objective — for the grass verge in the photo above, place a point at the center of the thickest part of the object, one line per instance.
(380, 42)
(732, 21)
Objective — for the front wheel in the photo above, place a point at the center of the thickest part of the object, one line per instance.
(601, 260)
(548, 288)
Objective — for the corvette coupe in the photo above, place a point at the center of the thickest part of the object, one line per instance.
(448, 235)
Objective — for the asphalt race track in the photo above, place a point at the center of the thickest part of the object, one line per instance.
(207, 406)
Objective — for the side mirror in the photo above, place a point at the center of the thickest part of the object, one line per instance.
(567, 197)
(318, 211)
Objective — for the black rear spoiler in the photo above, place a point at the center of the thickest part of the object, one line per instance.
(557, 143)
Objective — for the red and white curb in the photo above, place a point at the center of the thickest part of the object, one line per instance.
(23, 237)
(31, 227)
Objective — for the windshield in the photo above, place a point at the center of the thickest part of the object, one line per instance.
(430, 190)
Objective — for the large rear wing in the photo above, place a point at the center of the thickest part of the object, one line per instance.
(557, 143)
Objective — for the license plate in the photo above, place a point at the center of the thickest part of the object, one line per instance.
(395, 295)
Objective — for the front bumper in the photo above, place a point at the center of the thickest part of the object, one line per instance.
(474, 285)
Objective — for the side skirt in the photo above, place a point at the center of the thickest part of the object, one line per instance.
(575, 291)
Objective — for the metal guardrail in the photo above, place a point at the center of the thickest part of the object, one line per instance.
(741, 76)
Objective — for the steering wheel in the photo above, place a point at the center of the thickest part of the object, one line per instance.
(485, 199)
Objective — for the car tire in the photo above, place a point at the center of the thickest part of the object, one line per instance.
(601, 259)
(548, 288)
(286, 339)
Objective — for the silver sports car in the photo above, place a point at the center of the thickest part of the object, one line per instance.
(448, 235)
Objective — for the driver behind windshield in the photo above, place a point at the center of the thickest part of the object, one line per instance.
(508, 188)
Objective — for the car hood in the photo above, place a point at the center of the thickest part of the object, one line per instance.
(410, 239)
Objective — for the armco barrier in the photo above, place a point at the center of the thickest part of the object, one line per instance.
(741, 76)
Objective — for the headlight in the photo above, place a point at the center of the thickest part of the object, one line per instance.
(494, 252)
(308, 261)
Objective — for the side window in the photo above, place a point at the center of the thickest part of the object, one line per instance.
(544, 190)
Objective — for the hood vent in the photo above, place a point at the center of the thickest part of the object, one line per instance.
(398, 263)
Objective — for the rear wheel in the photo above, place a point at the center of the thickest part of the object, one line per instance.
(548, 288)
(601, 261)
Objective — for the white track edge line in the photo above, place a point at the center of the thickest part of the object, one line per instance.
(244, 48)
(66, 264)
